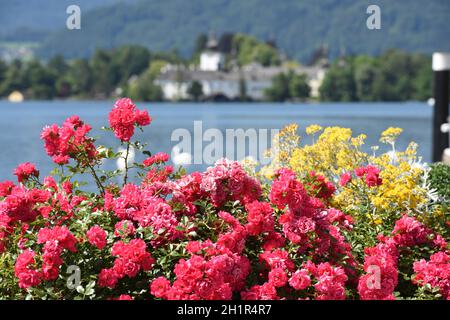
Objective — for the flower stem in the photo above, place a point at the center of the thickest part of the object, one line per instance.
(126, 164)
(97, 180)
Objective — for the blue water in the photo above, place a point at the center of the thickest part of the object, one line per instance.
(22, 123)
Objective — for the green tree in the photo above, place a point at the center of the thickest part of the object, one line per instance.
(279, 91)
(80, 77)
(195, 90)
(339, 84)
(144, 89)
(249, 50)
(58, 65)
(423, 80)
(243, 89)
(155, 67)
(59, 68)
(13, 79)
(3, 69)
(365, 75)
(393, 76)
(41, 81)
(393, 83)
(266, 55)
(298, 86)
(105, 75)
(129, 61)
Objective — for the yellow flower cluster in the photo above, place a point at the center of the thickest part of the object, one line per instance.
(390, 135)
(334, 152)
(337, 151)
(313, 129)
(401, 188)
(283, 145)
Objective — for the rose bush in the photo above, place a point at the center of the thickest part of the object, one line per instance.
(322, 221)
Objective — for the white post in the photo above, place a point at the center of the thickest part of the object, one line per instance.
(441, 68)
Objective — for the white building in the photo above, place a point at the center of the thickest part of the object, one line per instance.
(212, 59)
(176, 80)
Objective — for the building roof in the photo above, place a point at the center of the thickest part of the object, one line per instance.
(212, 43)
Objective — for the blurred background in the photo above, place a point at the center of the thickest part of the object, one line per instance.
(229, 63)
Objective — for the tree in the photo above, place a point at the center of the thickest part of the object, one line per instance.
(365, 75)
(266, 55)
(129, 61)
(195, 90)
(423, 82)
(339, 84)
(249, 50)
(80, 77)
(143, 88)
(155, 67)
(41, 80)
(393, 76)
(243, 89)
(144, 91)
(59, 68)
(298, 86)
(3, 70)
(58, 65)
(105, 75)
(13, 79)
(287, 86)
(279, 91)
(393, 83)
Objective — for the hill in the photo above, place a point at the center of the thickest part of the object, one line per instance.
(298, 27)
(40, 15)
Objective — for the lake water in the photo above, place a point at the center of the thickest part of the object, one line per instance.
(22, 123)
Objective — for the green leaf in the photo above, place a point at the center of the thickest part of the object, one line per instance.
(80, 289)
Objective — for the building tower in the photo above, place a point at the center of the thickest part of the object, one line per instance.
(211, 59)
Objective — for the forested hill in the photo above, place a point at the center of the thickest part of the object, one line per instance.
(299, 27)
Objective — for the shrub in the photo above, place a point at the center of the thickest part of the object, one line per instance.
(310, 229)
(439, 178)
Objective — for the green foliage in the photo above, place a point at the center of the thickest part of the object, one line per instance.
(3, 69)
(97, 77)
(41, 81)
(195, 90)
(249, 49)
(339, 84)
(80, 77)
(243, 90)
(130, 60)
(104, 73)
(286, 86)
(393, 76)
(13, 78)
(279, 91)
(143, 89)
(298, 86)
(439, 178)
